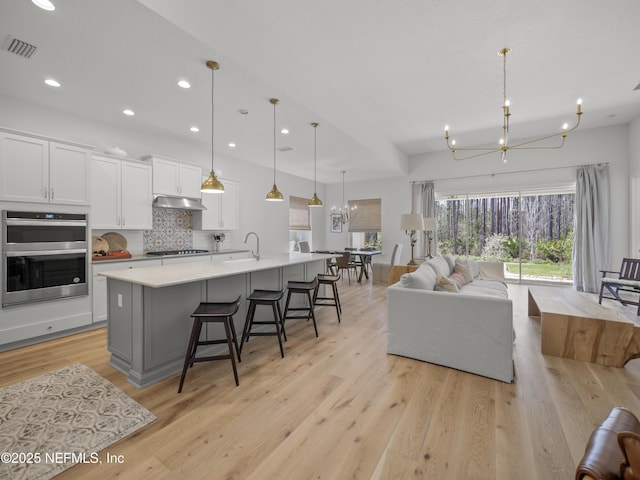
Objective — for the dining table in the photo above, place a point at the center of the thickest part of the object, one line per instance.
(364, 255)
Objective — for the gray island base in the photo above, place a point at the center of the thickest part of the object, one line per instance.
(150, 308)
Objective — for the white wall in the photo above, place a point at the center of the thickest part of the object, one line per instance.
(634, 146)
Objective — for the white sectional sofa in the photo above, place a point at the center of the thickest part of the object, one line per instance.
(468, 326)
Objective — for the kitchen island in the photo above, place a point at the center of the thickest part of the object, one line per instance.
(149, 309)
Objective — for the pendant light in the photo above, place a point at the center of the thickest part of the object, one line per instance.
(315, 201)
(274, 195)
(212, 184)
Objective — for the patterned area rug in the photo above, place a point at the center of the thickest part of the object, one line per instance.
(52, 422)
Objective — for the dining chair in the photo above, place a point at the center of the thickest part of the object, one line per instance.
(395, 256)
(357, 259)
(346, 263)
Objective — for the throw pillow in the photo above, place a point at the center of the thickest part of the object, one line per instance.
(465, 271)
(451, 260)
(473, 266)
(447, 284)
(424, 279)
(441, 266)
(458, 279)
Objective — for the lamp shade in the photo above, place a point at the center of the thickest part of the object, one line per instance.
(429, 224)
(411, 221)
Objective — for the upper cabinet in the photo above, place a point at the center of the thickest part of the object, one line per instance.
(175, 179)
(223, 209)
(34, 169)
(121, 194)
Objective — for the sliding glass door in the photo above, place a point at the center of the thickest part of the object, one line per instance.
(532, 232)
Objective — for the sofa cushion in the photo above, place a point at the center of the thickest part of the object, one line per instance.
(465, 271)
(451, 260)
(422, 278)
(487, 288)
(440, 265)
(447, 284)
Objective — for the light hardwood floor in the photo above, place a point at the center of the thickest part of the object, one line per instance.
(339, 407)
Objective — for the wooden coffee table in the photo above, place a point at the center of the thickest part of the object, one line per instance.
(575, 326)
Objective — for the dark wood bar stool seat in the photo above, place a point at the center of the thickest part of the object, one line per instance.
(305, 288)
(218, 312)
(333, 301)
(265, 297)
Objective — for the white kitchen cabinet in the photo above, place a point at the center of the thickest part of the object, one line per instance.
(174, 178)
(99, 283)
(121, 194)
(36, 169)
(223, 209)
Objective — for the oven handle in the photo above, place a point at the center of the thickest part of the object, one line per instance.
(45, 252)
(47, 223)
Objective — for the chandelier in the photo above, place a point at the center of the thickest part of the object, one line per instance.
(345, 212)
(504, 146)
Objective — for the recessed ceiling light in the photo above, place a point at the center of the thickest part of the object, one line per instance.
(232, 145)
(243, 111)
(194, 129)
(129, 112)
(284, 131)
(184, 84)
(52, 83)
(45, 5)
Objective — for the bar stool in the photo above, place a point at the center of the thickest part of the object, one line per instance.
(265, 297)
(305, 288)
(218, 312)
(328, 301)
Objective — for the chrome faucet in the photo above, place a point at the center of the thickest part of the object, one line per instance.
(257, 254)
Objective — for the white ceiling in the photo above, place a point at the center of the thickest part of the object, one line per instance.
(381, 77)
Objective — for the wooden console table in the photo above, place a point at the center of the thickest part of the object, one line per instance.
(575, 326)
(398, 270)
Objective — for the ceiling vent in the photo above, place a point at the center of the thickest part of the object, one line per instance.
(20, 48)
(285, 149)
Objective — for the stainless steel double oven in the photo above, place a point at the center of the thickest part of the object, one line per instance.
(44, 256)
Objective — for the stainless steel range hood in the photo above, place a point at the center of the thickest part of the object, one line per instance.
(162, 201)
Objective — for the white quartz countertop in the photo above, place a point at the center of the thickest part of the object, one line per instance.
(168, 275)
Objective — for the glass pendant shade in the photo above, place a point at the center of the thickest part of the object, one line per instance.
(274, 195)
(212, 184)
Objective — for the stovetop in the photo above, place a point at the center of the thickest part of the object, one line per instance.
(176, 252)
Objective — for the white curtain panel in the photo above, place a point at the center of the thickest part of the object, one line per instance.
(591, 243)
(423, 201)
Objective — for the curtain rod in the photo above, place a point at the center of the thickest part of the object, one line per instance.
(509, 173)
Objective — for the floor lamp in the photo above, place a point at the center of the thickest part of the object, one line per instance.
(410, 223)
(429, 226)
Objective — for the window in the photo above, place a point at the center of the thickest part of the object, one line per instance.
(365, 223)
(532, 232)
(299, 222)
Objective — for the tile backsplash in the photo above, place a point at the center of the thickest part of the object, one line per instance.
(172, 230)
